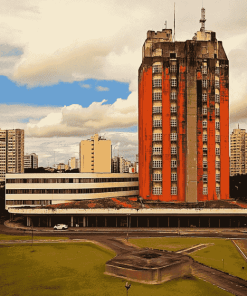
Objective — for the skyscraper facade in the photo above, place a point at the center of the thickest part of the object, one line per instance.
(238, 160)
(183, 118)
(11, 152)
(31, 161)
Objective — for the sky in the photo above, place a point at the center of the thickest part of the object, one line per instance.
(69, 68)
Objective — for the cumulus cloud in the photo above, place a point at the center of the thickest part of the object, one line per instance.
(102, 88)
(85, 85)
(75, 120)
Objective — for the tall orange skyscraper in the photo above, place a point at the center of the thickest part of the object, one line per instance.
(184, 118)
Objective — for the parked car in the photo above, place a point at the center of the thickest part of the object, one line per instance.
(61, 226)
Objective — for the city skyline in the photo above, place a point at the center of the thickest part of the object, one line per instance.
(56, 79)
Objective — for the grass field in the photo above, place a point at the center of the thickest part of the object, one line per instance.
(223, 255)
(7, 237)
(77, 269)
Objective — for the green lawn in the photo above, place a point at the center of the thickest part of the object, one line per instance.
(77, 269)
(211, 256)
(29, 237)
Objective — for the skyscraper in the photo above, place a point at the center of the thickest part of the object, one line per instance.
(31, 161)
(95, 155)
(183, 118)
(238, 161)
(11, 152)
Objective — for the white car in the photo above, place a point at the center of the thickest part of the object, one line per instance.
(61, 226)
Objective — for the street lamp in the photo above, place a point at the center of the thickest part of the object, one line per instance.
(127, 286)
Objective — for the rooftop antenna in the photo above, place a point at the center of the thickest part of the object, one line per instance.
(202, 20)
(174, 23)
(165, 24)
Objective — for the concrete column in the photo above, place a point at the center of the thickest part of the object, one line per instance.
(157, 221)
(49, 221)
(72, 221)
(147, 221)
(168, 221)
(129, 221)
(136, 221)
(105, 222)
(87, 221)
(84, 221)
(39, 222)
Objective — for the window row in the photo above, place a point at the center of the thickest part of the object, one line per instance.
(28, 202)
(72, 180)
(69, 191)
(157, 69)
(157, 123)
(205, 178)
(157, 109)
(157, 83)
(173, 137)
(157, 177)
(157, 163)
(174, 190)
(157, 96)
(157, 190)
(157, 137)
(157, 150)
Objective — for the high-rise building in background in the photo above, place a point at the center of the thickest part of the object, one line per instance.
(11, 152)
(73, 163)
(183, 118)
(95, 155)
(31, 161)
(238, 160)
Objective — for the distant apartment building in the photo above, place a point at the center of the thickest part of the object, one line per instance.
(31, 161)
(62, 167)
(95, 155)
(121, 165)
(73, 163)
(238, 160)
(11, 152)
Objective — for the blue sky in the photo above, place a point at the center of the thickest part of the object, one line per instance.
(83, 93)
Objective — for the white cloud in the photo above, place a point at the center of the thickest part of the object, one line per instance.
(75, 120)
(85, 85)
(102, 88)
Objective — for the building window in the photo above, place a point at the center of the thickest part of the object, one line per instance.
(174, 177)
(205, 150)
(217, 98)
(204, 97)
(204, 83)
(173, 109)
(217, 177)
(217, 125)
(157, 150)
(217, 164)
(157, 123)
(217, 84)
(157, 96)
(157, 109)
(157, 164)
(173, 68)
(205, 164)
(205, 178)
(173, 82)
(157, 83)
(157, 190)
(217, 138)
(157, 137)
(204, 70)
(173, 190)
(205, 190)
(217, 71)
(173, 122)
(204, 110)
(217, 190)
(173, 137)
(173, 96)
(173, 150)
(157, 69)
(204, 137)
(204, 124)
(217, 111)
(217, 151)
(157, 177)
(173, 163)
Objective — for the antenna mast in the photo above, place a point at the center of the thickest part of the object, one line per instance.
(174, 23)
(202, 20)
